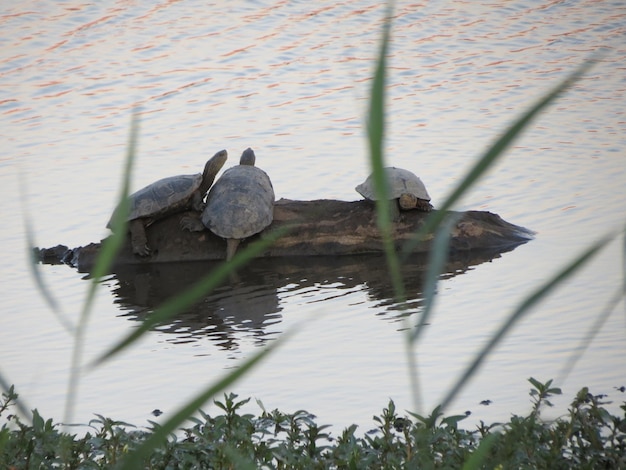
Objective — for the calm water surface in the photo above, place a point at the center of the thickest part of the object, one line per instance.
(291, 80)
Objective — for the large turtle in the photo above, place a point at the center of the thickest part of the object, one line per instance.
(404, 187)
(167, 196)
(240, 204)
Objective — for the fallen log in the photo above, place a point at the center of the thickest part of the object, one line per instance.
(318, 228)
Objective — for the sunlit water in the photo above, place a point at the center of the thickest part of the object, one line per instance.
(291, 80)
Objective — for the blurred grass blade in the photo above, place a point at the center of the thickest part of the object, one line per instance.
(493, 153)
(521, 311)
(591, 334)
(624, 262)
(376, 137)
(193, 294)
(438, 258)
(376, 125)
(597, 325)
(505, 141)
(33, 262)
(110, 247)
(137, 457)
(112, 244)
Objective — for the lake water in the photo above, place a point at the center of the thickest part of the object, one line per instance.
(291, 80)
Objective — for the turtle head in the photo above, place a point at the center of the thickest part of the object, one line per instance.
(215, 164)
(247, 157)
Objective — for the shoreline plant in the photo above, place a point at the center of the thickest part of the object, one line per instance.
(588, 436)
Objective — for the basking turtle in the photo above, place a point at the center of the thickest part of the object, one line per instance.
(240, 204)
(167, 196)
(404, 186)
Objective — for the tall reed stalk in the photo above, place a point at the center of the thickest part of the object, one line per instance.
(440, 222)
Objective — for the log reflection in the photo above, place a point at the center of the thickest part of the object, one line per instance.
(250, 304)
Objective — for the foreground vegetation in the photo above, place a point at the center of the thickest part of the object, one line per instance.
(588, 436)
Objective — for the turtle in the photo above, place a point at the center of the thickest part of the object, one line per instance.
(239, 204)
(167, 196)
(403, 186)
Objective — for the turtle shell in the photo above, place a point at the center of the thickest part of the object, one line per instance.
(162, 197)
(399, 181)
(240, 203)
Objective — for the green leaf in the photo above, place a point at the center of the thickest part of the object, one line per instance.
(453, 420)
(535, 383)
(554, 391)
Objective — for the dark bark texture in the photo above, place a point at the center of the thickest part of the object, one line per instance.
(317, 228)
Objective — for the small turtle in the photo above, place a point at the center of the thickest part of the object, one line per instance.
(167, 196)
(240, 204)
(403, 186)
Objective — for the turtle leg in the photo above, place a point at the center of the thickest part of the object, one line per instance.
(197, 204)
(191, 223)
(423, 205)
(231, 248)
(407, 201)
(394, 210)
(138, 238)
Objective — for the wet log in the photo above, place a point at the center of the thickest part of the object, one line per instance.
(318, 228)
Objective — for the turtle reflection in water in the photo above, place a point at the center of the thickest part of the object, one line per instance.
(165, 197)
(239, 205)
(405, 188)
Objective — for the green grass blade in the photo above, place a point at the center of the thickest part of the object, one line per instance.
(521, 311)
(438, 258)
(376, 136)
(376, 128)
(624, 263)
(103, 263)
(493, 153)
(591, 333)
(597, 325)
(113, 243)
(137, 457)
(193, 294)
(33, 263)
